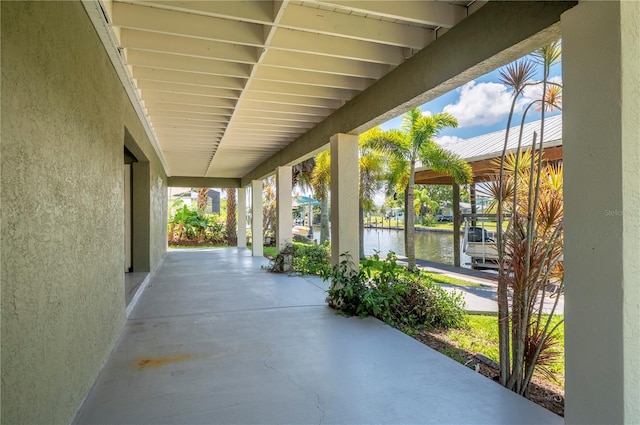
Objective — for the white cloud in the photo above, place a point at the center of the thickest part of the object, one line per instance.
(481, 104)
(447, 140)
(532, 93)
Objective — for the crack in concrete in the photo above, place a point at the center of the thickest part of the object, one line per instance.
(323, 413)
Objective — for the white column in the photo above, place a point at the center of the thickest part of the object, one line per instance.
(256, 218)
(344, 197)
(601, 150)
(242, 217)
(284, 203)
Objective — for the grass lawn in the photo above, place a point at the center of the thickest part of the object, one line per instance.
(481, 336)
(204, 245)
(437, 278)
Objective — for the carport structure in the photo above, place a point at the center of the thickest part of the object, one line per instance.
(222, 94)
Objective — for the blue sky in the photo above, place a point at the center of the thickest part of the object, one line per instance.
(481, 106)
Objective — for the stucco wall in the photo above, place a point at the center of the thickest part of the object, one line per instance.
(62, 252)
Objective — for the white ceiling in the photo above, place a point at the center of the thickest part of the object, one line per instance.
(227, 84)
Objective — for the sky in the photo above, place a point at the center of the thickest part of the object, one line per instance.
(481, 106)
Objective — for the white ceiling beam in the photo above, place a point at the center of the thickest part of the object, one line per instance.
(300, 90)
(351, 26)
(174, 138)
(187, 46)
(188, 89)
(159, 113)
(249, 11)
(330, 65)
(243, 151)
(207, 80)
(188, 124)
(256, 128)
(334, 46)
(250, 113)
(200, 109)
(249, 121)
(196, 144)
(282, 108)
(432, 13)
(311, 78)
(187, 99)
(186, 63)
(269, 140)
(186, 24)
(293, 100)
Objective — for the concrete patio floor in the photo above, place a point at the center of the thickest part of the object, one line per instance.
(215, 339)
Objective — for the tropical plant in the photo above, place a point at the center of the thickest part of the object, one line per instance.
(415, 142)
(393, 294)
(306, 259)
(187, 224)
(530, 249)
(423, 206)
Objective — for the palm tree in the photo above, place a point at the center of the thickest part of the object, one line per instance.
(372, 166)
(202, 199)
(320, 181)
(415, 142)
(232, 235)
(302, 173)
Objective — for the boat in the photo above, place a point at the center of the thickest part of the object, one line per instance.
(480, 246)
(302, 231)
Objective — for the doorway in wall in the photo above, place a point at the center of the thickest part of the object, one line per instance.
(136, 216)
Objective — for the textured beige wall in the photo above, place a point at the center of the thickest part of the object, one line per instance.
(63, 118)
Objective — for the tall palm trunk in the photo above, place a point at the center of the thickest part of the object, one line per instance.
(202, 199)
(324, 221)
(361, 229)
(409, 225)
(232, 235)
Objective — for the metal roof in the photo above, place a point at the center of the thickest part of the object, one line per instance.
(490, 145)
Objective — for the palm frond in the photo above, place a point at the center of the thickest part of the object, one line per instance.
(517, 75)
(441, 160)
(549, 54)
(392, 142)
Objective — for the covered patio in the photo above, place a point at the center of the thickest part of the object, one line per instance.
(216, 339)
(106, 104)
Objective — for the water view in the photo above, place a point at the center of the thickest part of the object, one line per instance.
(432, 246)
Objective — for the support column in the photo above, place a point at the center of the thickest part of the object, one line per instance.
(456, 225)
(601, 50)
(472, 200)
(344, 197)
(242, 217)
(257, 236)
(284, 204)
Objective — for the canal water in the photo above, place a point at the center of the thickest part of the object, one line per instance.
(432, 246)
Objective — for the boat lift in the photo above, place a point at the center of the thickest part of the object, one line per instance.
(479, 243)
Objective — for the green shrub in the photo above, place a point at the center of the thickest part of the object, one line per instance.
(305, 259)
(400, 298)
(311, 258)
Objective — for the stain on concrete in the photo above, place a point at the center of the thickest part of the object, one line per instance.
(161, 361)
